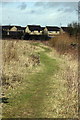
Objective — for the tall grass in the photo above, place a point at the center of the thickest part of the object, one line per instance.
(63, 43)
(9, 51)
(18, 57)
(67, 49)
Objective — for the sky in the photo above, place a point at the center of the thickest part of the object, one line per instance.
(38, 13)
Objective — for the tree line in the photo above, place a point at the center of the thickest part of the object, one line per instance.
(74, 29)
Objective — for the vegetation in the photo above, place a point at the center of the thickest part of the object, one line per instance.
(74, 29)
(65, 44)
(39, 82)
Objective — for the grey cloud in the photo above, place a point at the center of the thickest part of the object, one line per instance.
(31, 12)
(47, 4)
(36, 12)
(69, 6)
(66, 10)
(69, 10)
(40, 4)
(62, 4)
(53, 4)
(23, 6)
(5, 3)
(60, 9)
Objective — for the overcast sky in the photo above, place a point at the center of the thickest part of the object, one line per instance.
(39, 13)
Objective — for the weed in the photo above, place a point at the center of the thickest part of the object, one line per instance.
(62, 43)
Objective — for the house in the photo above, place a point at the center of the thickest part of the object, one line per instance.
(12, 31)
(44, 31)
(52, 30)
(22, 29)
(16, 32)
(13, 28)
(42, 28)
(64, 29)
(33, 29)
(6, 28)
(18, 28)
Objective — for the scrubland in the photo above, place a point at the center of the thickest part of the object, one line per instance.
(40, 79)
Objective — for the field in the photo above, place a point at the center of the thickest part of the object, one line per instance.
(38, 81)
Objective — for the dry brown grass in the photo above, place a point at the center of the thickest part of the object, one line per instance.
(62, 44)
(22, 58)
(69, 75)
(69, 54)
(9, 51)
(18, 57)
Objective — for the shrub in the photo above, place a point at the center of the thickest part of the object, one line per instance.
(62, 43)
(74, 29)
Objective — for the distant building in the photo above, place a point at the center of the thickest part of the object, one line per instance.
(5, 28)
(64, 29)
(33, 29)
(23, 29)
(52, 30)
(44, 31)
(13, 28)
(12, 31)
(42, 28)
(17, 28)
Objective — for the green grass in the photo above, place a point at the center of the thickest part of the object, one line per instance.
(38, 82)
(40, 95)
(47, 49)
(35, 43)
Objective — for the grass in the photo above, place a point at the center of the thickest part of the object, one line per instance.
(47, 49)
(62, 44)
(43, 93)
(15, 64)
(35, 43)
(37, 80)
